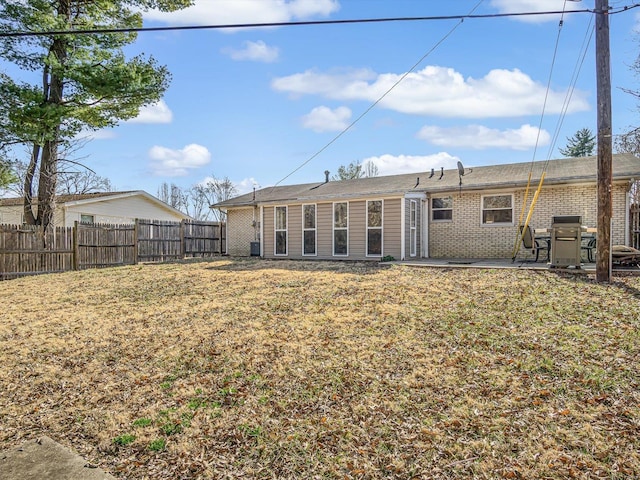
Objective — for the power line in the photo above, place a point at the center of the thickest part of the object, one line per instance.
(292, 24)
(372, 106)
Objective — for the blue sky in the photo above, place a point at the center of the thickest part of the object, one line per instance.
(256, 104)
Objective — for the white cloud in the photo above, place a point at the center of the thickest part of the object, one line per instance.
(526, 6)
(480, 137)
(323, 119)
(398, 164)
(156, 113)
(167, 162)
(246, 185)
(225, 12)
(437, 91)
(253, 51)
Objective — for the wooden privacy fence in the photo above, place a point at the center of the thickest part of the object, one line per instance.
(29, 250)
(634, 225)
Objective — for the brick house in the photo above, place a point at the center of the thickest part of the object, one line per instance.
(432, 214)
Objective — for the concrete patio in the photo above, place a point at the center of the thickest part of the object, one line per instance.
(493, 263)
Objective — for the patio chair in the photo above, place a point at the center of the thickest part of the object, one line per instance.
(530, 243)
(590, 248)
(625, 256)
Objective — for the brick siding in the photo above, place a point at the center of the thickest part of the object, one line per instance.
(241, 231)
(466, 237)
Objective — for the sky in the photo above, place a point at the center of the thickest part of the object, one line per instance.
(280, 105)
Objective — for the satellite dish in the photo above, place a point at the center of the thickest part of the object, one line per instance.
(460, 169)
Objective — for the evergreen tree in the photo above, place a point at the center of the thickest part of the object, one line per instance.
(582, 144)
(87, 83)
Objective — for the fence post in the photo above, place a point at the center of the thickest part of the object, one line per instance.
(76, 247)
(182, 239)
(135, 241)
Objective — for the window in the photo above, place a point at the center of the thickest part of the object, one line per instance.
(413, 230)
(281, 230)
(497, 209)
(86, 218)
(341, 229)
(374, 228)
(309, 229)
(442, 209)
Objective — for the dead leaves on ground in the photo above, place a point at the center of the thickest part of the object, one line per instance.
(258, 369)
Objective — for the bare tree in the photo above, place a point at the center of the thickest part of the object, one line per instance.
(196, 200)
(628, 142)
(173, 195)
(87, 181)
(370, 169)
(205, 194)
(356, 170)
(76, 179)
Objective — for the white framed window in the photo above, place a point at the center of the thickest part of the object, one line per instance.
(413, 227)
(341, 229)
(309, 230)
(374, 228)
(86, 219)
(280, 234)
(442, 209)
(497, 209)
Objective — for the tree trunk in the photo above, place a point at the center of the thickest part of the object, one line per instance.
(27, 189)
(54, 95)
(47, 183)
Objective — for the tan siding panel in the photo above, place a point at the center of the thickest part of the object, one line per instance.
(357, 230)
(294, 234)
(325, 230)
(392, 228)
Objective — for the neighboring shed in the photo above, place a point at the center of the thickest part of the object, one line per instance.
(431, 214)
(106, 207)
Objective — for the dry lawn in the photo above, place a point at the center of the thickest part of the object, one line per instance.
(304, 370)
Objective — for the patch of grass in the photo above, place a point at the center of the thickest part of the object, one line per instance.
(258, 369)
(171, 428)
(142, 422)
(123, 440)
(158, 445)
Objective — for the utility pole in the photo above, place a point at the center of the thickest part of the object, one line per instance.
(603, 82)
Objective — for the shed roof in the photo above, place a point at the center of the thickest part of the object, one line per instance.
(561, 171)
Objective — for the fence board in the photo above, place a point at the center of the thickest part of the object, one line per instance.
(104, 245)
(634, 225)
(29, 250)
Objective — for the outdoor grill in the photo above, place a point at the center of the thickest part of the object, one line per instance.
(566, 236)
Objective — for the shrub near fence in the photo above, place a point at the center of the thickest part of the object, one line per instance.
(30, 250)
